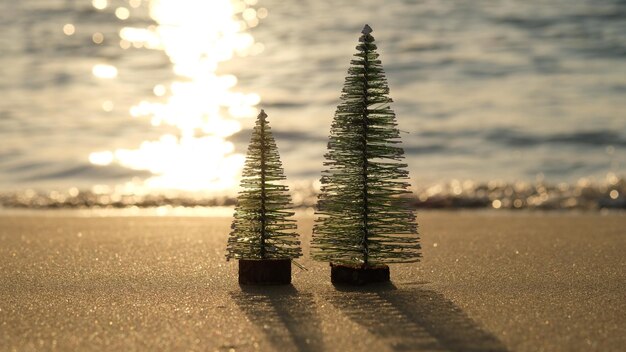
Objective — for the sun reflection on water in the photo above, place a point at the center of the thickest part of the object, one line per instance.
(196, 35)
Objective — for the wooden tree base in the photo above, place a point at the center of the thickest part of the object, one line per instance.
(358, 275)
(264, 271)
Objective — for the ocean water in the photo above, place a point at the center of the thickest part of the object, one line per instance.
(117, 103)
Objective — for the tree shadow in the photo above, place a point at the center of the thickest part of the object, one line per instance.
(413, 319)
(287, 317)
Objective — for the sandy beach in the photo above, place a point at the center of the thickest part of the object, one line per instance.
(489, 281)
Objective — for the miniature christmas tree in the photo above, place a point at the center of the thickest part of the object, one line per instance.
(261, 236)
(364, 220)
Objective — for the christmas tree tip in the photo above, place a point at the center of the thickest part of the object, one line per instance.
(262, 113)
(366, 29)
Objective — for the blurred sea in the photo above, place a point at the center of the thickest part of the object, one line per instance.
(503, 104)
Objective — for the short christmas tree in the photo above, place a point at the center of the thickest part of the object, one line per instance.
(261, 236)
(364, 220)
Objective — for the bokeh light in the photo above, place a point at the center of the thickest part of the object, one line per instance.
(100, 4)
(69, 29)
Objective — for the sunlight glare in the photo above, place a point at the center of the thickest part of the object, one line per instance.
(201, 104)
(172, 159)
(104, 71)
(101, 158)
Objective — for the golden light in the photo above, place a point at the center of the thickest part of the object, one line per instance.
(148, 38)
(249, 14)
(201, 104)
(176, 164)
(104, 71)
(69, 29)
(159, 90)
(101, 158)
(100, 4)
(122, 13)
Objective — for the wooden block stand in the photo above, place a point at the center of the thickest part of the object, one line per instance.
(264, 271)
(358, 275)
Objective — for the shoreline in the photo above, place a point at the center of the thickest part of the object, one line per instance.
(217, 212)
(583, 194)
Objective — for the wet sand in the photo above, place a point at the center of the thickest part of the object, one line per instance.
(489, 281)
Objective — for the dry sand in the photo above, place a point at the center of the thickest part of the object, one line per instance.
(489, 281)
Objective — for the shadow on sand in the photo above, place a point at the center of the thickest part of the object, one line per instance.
(413, 319)
(287, 317)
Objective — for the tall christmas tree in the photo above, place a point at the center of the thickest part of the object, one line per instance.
(364, 220)
(261, 236)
